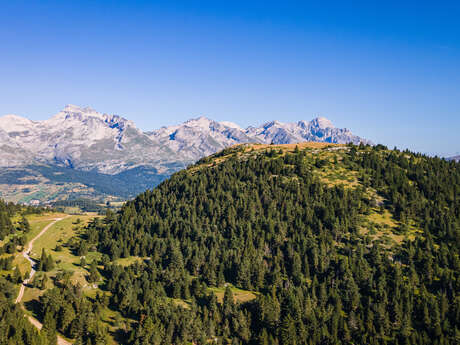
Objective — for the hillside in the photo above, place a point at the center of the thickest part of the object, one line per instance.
(330, 243)
(48, 183)
(265, 244)
(82, 153)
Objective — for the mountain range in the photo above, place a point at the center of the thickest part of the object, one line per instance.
(79, 145)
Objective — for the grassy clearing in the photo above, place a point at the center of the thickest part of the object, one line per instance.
(331, 171)
(385, 219)
(38, 222)
(179, 302)
(381, 226)
(335, 176)
(59, 233)
(23, 264)
(128, 261)
(34, 293)
(115, 321)
(239, 295)
(65, 259)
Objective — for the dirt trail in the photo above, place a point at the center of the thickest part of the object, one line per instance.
(26, 253)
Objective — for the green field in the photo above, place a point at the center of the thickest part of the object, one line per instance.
(65, 259)
(239, 295)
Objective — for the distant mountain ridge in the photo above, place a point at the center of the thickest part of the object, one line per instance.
(86, 140)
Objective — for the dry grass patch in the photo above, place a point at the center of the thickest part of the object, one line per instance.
(180, 302)
(383, 227)
(239, 295)
(245, 150)
(337, 176)
(129, 260)
(289, 147)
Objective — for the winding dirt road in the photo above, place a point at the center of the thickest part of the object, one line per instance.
(26, 253)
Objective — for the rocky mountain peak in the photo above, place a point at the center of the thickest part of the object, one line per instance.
(76, 116)
(322, 122)
(201, 122)
(72, 108)
(273, 123)
(86, 139)
(14, 123)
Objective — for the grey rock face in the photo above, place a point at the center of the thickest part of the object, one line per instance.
(319, 129)
(87, 140)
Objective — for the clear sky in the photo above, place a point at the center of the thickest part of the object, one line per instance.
(389, 71)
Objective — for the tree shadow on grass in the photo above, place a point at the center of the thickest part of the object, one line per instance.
(34, 307)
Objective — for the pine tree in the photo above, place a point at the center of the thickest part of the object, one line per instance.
(228, 302)
(288, 331)
(43, 282)
(49, 264)
(42, 262)
(93, 272)
(49, 327)
(24, 225)
(17, 277)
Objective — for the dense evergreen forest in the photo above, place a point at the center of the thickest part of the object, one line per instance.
(269, 221)
(327, 245)
(7, 211)
(12, 236)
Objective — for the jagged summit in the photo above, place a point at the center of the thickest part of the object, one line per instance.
(319, 129)
(84, 114)
(77, 108)
(201, 122)
(322, 122)
(71, 110)
(86, 139)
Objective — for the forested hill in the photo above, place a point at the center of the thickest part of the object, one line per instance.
(333, 244)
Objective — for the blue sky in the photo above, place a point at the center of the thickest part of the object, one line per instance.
(390, 72)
